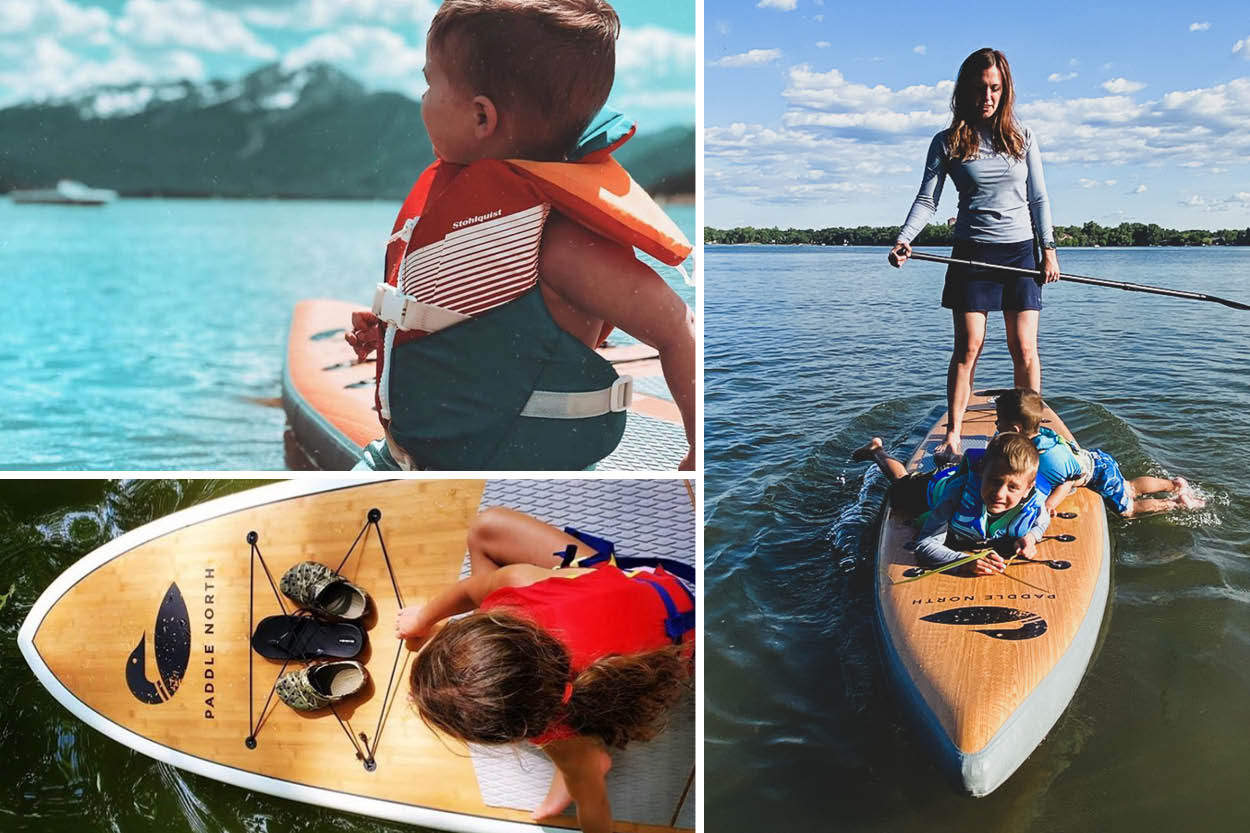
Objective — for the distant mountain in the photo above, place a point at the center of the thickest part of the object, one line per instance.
(311, 132)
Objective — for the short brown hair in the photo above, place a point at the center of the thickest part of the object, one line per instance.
(1021, 406)
(549, 62)
(1011, 453)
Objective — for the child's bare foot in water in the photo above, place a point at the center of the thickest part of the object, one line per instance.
(558, 796)
(868, 450)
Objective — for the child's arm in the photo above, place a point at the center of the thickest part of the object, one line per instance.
(1027, 545)
(463, 596)
(1058, 495)
(605, 280)
(579, 760)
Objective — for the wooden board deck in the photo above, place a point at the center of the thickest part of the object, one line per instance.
(81, 634)
(986, 702)
(328, 394)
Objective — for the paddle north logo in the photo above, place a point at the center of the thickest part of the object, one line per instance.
(171, 645)
(1031, 624)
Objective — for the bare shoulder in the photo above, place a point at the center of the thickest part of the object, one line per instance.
(569, 249)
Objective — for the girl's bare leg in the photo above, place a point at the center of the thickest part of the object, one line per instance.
(558, 795)
(1022, 343)
(501, 536)
(874, 450)
(969, 339)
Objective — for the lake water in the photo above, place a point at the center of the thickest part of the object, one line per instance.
(809, 352)
(149, 334)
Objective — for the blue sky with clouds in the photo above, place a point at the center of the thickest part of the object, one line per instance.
(819, 112)
(54, 48)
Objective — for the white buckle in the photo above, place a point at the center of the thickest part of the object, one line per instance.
(621, 393)
(388, 304)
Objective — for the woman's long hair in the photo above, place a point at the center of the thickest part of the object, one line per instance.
(962, 139)
(494, 677)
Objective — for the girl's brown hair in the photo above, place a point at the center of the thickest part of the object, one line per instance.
(550, 63)
(494, 677)
(962, 138)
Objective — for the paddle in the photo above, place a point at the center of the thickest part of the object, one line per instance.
(1131, 287)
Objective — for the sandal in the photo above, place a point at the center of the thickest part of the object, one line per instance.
(321, 590)
(321, 684)
(305, 638)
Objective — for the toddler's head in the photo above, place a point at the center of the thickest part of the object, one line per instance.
(530, 72)
(1008, 471)
(1019, 410)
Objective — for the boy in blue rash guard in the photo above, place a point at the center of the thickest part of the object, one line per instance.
(1065, 466)
(991, 503)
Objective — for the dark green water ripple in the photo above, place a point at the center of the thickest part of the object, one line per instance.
(811, 351)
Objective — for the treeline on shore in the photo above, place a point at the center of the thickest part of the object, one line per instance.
(1090, 234)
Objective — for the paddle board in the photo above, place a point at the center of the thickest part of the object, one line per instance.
(172, 676)
(986, 665)
(328, 397)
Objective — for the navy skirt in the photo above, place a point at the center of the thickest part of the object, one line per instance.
(972, 289)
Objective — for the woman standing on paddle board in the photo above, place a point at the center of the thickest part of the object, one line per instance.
(996, 165)
(571, 658)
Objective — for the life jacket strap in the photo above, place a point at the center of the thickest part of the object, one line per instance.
(407, 313)
(581, 404)
(676, 625)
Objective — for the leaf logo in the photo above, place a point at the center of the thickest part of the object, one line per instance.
(1031, 625)
(171, 642)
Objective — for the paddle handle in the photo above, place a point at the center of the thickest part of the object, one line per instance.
(1125, 285)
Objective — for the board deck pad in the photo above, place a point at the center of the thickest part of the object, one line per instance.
(328, 396)
(643, 518)
(169, 675)
(988, 664)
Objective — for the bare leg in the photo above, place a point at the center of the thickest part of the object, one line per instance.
(969, 339)
(1183, 499)
(558, 795)
(874, 450)
(1147, 485)
(501, 536)
(1022, 342)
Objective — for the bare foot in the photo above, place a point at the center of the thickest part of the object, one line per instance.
(1180, 484)
(558, 796)
(1188, 500)
(868, 450)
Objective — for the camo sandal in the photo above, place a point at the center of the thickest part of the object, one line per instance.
(321, 590)
(304, 638)
(321, 684)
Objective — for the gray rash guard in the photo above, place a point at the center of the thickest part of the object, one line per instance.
(1001, 199)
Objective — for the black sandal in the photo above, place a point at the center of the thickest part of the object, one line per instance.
(304, 638)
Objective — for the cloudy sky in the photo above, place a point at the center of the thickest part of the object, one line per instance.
(819, 112)
(53, 48)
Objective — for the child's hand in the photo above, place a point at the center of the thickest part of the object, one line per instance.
(409, 624)
(687, 462)
(1026, 547)
(990, 565)
(364, 334)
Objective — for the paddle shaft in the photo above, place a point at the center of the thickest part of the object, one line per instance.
(1131, 287)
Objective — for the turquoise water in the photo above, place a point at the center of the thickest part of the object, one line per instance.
(149, 334)
(811, 351)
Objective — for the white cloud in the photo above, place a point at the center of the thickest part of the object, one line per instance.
(1140, 189)
(376, 54)
(1056, 77)
(48, 70)
(191, 24)
(1199, 27)
(750, 58)
(722, 27)
(1121, 86)
(324, 14)
(59, 18)
(779, 5)
(823, 44)
(1094, 183)
(919, 49)
(1239, 200)
(654, 48)
(1242, 46)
